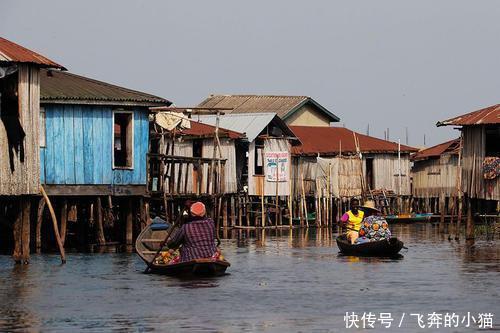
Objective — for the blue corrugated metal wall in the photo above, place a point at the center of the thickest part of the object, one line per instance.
(79, 147)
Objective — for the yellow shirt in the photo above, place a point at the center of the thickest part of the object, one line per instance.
(354, 221)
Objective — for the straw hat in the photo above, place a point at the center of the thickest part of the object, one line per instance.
(369, 204)
(198, 209)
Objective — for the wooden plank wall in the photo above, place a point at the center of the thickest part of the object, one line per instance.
(435, 176)
(79, 146)
(26, 175)
(473, 182)
(385, 169)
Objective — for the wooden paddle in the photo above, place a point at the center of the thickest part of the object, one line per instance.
(162, 244)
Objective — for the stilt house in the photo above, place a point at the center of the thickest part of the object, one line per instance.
(340, 163)
(434, 175)
(480, 160)
(19, 141)
(264, 163)
(94, 144)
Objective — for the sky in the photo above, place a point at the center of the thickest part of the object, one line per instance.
(396, 64)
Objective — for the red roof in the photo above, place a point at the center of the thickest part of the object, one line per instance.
(329, 140)
(436, 151)
(486, 116)
(204, 130)
(12, 52)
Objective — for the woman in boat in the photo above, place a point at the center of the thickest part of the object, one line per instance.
(196, 237)
(352, 219)
(374, 226)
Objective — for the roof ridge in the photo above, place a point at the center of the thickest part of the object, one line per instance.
(257, 95)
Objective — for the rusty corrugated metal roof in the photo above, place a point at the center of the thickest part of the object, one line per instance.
(328, 141)
(204, 130)
(283, 106)
(67, 88)
(486, 116)
(449, 147)
(12, 52)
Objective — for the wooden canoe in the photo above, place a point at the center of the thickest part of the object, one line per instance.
(409, 218)
(148, 242)
(382, 248)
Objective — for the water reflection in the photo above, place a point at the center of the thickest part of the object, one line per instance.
(279, 280)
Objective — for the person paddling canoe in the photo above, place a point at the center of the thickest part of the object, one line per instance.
(352, 219)
(196, 237)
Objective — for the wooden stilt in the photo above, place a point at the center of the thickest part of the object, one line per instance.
(101, 240)
(142, 214)
(248, 208)
(129, 223)
(263, 213)
(240, 209)
(64, 220)
(442, 212)
(25, 231)
(146, 212)
(38, 228)
(54, 223)
(21, 230)
(224, 212)
(469, 231)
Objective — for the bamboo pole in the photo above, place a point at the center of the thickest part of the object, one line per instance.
(304, 202)
(277, 187)
(317, 202)
(262, 213)
(290, 196)
(459, 189)
(54, 223)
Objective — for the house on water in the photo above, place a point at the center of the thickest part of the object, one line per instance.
(263, 160)
(356, 165)
(480, 161)
(93, 150)
(192, 160)
(293, 110)
(434, 177)
(19, 140)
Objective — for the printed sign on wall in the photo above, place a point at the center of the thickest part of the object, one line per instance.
(276, 166)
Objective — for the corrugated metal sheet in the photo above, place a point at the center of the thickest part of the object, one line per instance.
(62, 87)
(329, 140)
(205, 130)
(283, 106)
(12, 52)
(252, 124)
(451, 146)
(486, 116)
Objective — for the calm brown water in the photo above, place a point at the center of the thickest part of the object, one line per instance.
(279, 282)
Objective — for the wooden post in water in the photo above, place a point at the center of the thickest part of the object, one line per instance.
(38, 228)
(54, 224)
(442, 211)
(304, 202)
(262, 213)
(129, 223)
(469, 231)
(64, 220)
(21, 253)
(101, 240)
(290, 201)
(224, 212)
